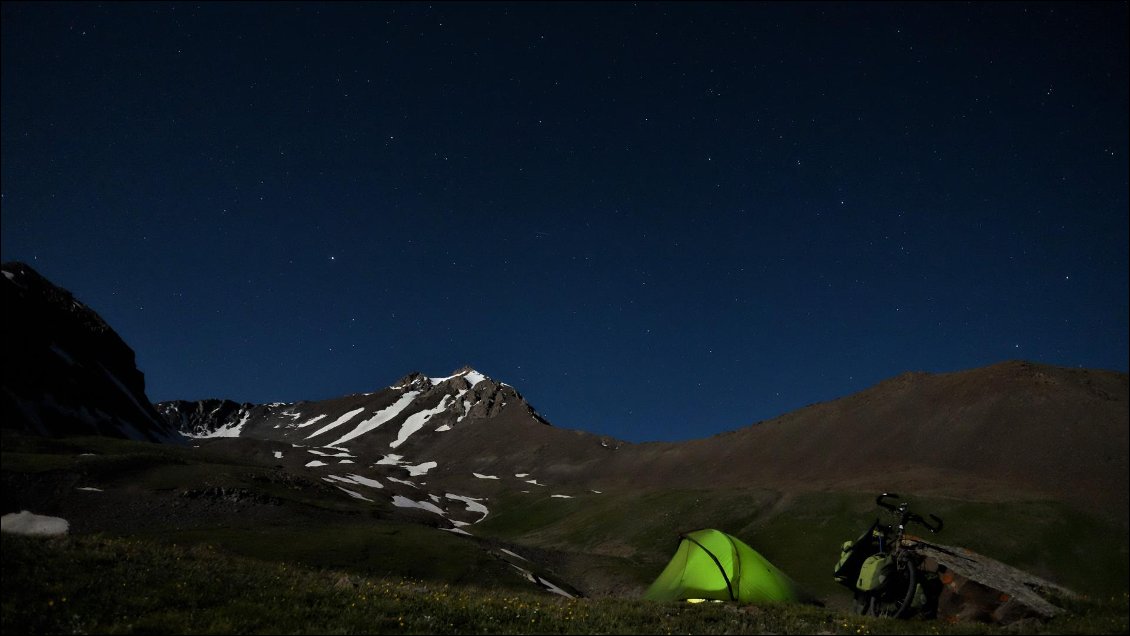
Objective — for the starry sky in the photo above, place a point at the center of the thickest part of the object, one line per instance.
(657, 221)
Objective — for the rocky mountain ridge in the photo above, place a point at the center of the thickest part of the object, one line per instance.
(464, 395)
(66, 372)
(1014, 429)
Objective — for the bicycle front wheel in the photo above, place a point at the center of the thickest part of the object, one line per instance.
(861, 603)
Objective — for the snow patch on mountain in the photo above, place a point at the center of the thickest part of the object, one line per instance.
(325, 454)
(421, 469)
(59, 352)
(230, 429)
(308, 422)
(379, 418)
(338, 422)
(416, 421)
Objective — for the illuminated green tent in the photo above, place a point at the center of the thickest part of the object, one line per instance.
(710, 564)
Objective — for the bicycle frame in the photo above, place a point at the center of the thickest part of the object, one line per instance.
(883, 576)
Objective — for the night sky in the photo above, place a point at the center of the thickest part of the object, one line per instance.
(657, 221)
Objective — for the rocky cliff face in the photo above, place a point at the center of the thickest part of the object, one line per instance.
(205, 418)
(66, 372)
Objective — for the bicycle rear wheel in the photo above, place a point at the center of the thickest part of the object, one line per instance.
(896, 597)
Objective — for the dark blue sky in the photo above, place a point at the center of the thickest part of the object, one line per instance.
(657, 221)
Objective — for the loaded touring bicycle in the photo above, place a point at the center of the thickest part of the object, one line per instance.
(884, 574)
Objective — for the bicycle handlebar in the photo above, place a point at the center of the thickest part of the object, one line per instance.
(903, 509)
(935, 528)
(883, 504)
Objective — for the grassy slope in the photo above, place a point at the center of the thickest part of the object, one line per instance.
(311, 525)
(801, 533)
(102, 585)
(609, 544)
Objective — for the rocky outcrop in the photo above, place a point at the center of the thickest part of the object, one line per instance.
(975, 587)
(66, 372)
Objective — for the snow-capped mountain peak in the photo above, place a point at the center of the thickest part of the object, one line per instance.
(415, 404)
(419, 382)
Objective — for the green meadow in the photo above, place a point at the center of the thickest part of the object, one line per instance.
(313, 561)
(97, 584)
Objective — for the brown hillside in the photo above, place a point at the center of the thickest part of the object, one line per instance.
(1011, 430)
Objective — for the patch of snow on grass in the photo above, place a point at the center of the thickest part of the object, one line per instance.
(89, 489)
(514, 554)
(457, 531)
(405, 502)
(401, 481)
(534, 482)
(278, 454)
(338, 422)
(365, 481)
(355, 495)
(521, 475)
(445, 427)
(562, 496)
(546, 585)
(390, 460)
(598, 492)
(484, 476)
(25, 522)
(346, 461)
(549, 587)
(472, 504)
(416, 421)
(316, 463)
(379, 418)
